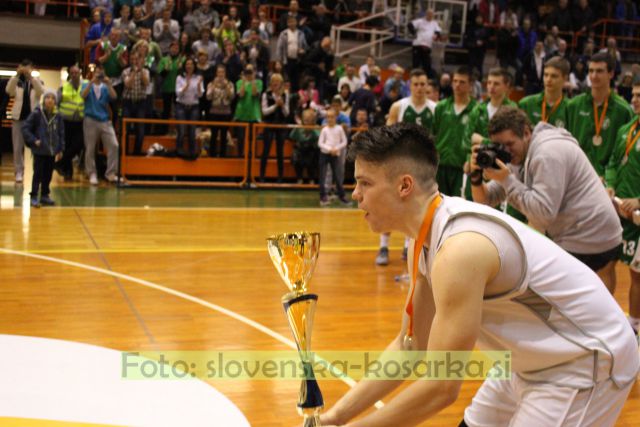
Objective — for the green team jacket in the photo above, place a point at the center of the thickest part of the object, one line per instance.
(582, 126)
(449, 130)
(625, 177)
(532, 106)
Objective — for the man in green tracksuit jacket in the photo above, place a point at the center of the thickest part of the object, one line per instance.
(550, 106)
(622, 177)
(596, 117)
(450, 121)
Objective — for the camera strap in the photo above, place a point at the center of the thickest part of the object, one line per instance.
(417, 248)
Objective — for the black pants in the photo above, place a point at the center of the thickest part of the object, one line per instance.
(73, 146)
(136, 110)
(220, 131)
(168, 100)
(292, 68)
(421, 56)
(42, 172)
(306, 159)
(267, 137)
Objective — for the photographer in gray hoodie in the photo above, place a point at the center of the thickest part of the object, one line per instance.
(43, 132)
(550, 180)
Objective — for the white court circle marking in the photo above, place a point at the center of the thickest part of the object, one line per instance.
(278, 337)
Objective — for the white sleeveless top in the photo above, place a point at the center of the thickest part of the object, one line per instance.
(559, 320)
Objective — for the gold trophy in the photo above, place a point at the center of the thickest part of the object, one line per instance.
(294, 256)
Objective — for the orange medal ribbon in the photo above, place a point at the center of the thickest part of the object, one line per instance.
(600, 120)
(545, 118)
(631, 140)
(419, 243)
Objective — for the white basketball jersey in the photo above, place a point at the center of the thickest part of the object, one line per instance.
(559, 321)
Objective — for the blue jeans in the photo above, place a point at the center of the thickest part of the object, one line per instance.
(336, 168)
(187, 112)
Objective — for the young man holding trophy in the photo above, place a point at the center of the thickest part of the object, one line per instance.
(479, 277)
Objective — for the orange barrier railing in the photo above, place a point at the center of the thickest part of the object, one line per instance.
(234, 170)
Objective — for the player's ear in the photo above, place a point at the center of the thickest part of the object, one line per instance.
(406, 185)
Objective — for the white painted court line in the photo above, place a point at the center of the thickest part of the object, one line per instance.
(260, 327)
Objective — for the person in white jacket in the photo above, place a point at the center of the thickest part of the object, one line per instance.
(26, 91)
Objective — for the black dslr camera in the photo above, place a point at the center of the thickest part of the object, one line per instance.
(487, 155)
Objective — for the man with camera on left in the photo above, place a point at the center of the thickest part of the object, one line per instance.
(551, 181)
(26, 91)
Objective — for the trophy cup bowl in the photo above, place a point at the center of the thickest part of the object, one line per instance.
(294, 255)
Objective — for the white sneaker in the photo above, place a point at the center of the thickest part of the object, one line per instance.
(113, 179)
(93, 179)
(19, 178)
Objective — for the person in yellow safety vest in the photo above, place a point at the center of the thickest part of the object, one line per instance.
(71, 108)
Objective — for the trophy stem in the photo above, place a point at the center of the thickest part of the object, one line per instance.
(311, 420)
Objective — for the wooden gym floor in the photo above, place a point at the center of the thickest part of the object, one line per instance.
(82, 271)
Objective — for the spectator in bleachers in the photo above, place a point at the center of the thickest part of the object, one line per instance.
(113, 56)
(507, 46)
(563, 51)
(168, 69)
(126, 25)
(26, 91)
(616, 57)
(257, 54)
(345, 95)
(305, 151)
(101, 5)
(433, 91)
(390, 96)
(595, 117)
(625, 87)
(165, 31)
(582, 19)
(351, 79)
(397, 79)
(378, 89)
(490, 11)
(184, 45)
(275, 110)
(208, 73)
(248, 108)
(158, 7)
(427, 31)
(579, 79)
(141, 19)
(71, 107)
(342, 118)
(365, 69)
(154, 54)
(96, 125)
(364, 99)
(446, 90)
(319, 64)
(119, 4)
(319, 24)
(255, 25)
(533, 69)
(561, 17)
(361, 121)
(149, 11)
(205, 16)
(220, 93)
(186, 18)
(332, 142)
(204, 43)
(265, 23)
(227, 31)
(97, 33)
(527, 38)
(476, 40)
(308, 96)
(294, 12)
(230, 58)
(189, 89)
(509, 13)
(43, 132)
(136, 79)
(290, 49)
(237, 19)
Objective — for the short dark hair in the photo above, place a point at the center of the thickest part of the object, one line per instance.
(417, 72)
(606, 58)
(463, 70)
(509, 118)
(26, 62)
(559, 64)
(502, 72)
(407, 141)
